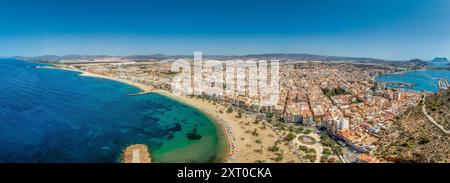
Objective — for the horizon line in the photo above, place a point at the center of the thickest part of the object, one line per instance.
(230, 55)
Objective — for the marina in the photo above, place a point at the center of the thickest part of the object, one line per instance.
(418, 80)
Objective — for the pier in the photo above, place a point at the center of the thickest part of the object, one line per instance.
(401, 84)
(137, 153)
(443, 84)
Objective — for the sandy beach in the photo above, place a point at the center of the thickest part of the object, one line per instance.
(142, 87)
(248, 141)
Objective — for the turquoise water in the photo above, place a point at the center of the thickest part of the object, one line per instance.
(49, 115)
(425, 80)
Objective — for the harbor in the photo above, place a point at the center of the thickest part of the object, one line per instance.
(418, 80)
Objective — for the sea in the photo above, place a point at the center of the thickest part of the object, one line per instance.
(51, 115)
(424, 80)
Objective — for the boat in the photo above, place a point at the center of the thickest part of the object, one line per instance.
(192, 135)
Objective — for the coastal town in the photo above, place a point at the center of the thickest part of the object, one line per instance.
(225, 90)
(326, 111)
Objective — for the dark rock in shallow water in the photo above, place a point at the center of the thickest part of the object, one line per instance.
(192, 135)
(150, 119)
(176, 127)
(169, 136)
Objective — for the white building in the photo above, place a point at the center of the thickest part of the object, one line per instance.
(341, 123)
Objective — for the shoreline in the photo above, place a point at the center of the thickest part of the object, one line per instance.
(218, 122)
(397, 73)
(242, 145)
(144, 89)
(413, 83)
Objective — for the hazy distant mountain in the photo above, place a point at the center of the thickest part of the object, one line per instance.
(45, 58)
(418, 62)
(56, 58)
(295, 56)
(279, 56)
(273, 56)
(440, 59)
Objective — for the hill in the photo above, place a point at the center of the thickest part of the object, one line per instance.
(440, 59)
(414, 138)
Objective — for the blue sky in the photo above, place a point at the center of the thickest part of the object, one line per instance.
(391, 29)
